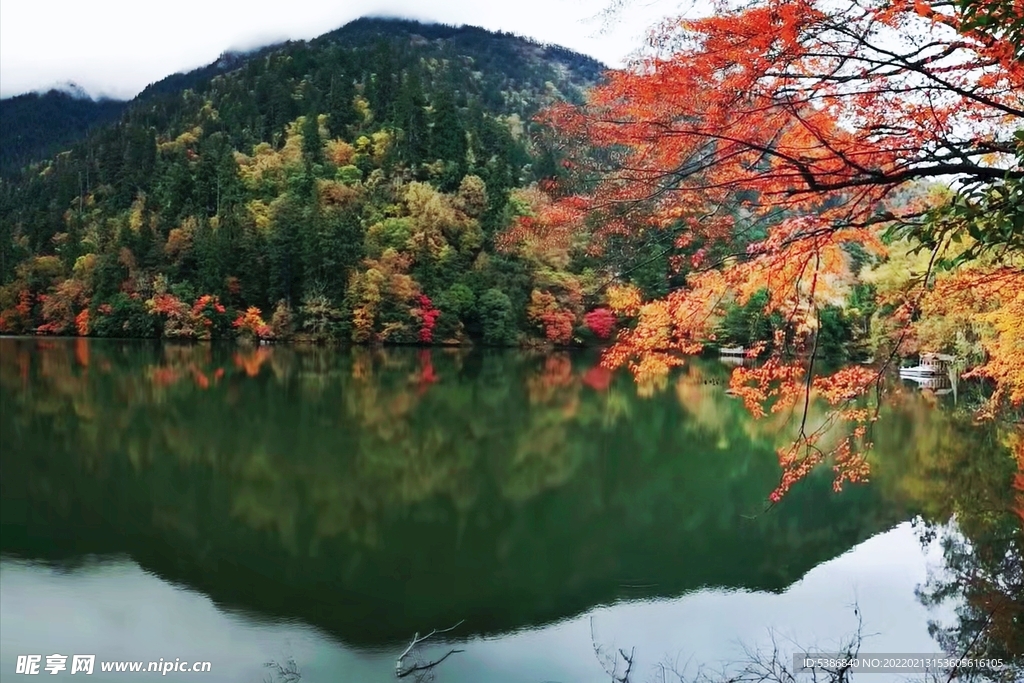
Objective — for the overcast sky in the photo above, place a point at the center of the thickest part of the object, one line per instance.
(118, 47)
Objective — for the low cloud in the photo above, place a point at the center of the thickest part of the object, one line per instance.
(116, 48)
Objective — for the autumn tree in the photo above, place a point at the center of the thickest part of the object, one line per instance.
(381, 298)
(768, 145)
(252, 326)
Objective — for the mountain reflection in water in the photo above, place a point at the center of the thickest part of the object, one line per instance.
(373, 494)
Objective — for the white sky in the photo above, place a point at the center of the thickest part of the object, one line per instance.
(118, 47)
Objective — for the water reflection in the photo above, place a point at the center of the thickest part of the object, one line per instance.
(98, 607)
(373, 494)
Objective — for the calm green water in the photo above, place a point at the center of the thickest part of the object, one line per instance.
(247, 505)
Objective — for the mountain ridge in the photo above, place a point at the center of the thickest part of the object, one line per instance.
(28, 122)
(352, 188)
(28, 117)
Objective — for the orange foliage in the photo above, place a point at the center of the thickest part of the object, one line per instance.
(250, 362)
(82, 323)
(58, 307)
(778, 386)
(182, 321)
(24, 307)
(785, 108)
(761, 99)
(205, 301)
(336, 194)
(381, 281)
(82, 352)
(556, 322)
(792, 120)
(624, 299)
(1003, 292)
(556, 376)
(339, 152)
(174, 311)
(252, 322)
(669, 328)
(980, 301)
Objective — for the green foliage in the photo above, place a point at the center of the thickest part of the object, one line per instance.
(987, 218)
(328, 185)
(747, 324)
(123, 316)
(458, 311)
(862, 306)
(342, 469)
(391, 233)
(834, 334)
(35, 126)
(349, 175)
(495, 310)
(459, 299)
(1000, 19)
(320, 317)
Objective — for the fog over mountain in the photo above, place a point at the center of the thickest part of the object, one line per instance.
(114, 49)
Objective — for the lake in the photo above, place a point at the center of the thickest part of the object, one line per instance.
(272, 504)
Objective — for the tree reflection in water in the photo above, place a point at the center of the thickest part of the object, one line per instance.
(372, 492)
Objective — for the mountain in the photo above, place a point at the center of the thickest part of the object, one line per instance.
(324, 489)
(492, 52)
(353, 184)
(35, 126)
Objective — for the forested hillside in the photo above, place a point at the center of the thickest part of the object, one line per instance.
(35, 126)
(392, 182)
(349, 187)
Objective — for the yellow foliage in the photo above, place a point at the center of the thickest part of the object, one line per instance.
(40, 267)
(291, 153)
(903, 266)
(382, 279)
(260, 213)
(381, 146)
(179, 240)
(265, 165)
(439, 223)
(624, 299)
(1006, 346)
(998, 295)
(975, 310)
(84, 267)
(182, 142)
(363, 107)
(472, 197)
(135, 216)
